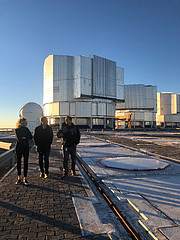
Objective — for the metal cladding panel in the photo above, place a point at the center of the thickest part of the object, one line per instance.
(158, 103)
(119, 76)
(139, 116)
(178, 103)
(119, 92)
(77, 88)
(149, 103)
(82, 67)
(173, 103)
(82, 86)
(86, 86)
(172, 118)
(111, 110)
(64, 90)
(72, 109)
(94, 109)
(83, 109)
(120, 105)
(165, 103)
(46, 109)
(55, 108)
(149, 116)
(82, 76)
(51, 109)
(110, 78)
(102, 109)
(62, 67)
(64, 108)
(98, 76)
(48, 80)
(86, 68)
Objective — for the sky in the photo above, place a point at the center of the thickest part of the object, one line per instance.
(142, 36)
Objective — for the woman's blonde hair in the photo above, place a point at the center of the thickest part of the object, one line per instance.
(21, 122)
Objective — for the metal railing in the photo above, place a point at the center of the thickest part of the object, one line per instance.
(8, 156)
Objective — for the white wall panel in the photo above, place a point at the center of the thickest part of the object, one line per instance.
(120, 92)
(65, 92)
(110, 110)
(72, 108)
(102, 109)
(64, 108)
(110, 78)
(48, 80)
(178, 103)
(62, 67)
(119, 76)
(98, 76)
(94, 109)
(83, 109)
(173, 103)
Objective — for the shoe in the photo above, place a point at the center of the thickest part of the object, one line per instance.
(45, 176)
(64, 176)
(73, 173)
(41, 175)
(18, 181)
(25, 182)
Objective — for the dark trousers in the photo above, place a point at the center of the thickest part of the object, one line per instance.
(44, 155)
(66, 152)
(19, 153)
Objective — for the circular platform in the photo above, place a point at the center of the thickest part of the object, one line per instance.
(133, 164)
(96, 144)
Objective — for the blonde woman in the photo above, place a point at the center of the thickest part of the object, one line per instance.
(22, 148)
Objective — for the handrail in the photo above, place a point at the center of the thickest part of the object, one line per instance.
(6, 145)
(8, 156)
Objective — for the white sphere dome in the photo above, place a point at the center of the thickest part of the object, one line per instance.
(32, 111)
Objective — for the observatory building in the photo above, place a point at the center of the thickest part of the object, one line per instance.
(139, 108)
(168, 109)
(32, 111)
(84, 87)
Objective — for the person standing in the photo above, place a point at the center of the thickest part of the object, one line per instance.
(23, 135)
(71, 138)
(43, 137)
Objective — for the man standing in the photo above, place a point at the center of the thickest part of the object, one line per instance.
(71, 137)
(43, 137)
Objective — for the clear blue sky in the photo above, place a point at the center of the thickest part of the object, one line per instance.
(142, 36)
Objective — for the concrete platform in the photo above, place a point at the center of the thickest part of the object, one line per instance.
(133, 164)
(153, 194)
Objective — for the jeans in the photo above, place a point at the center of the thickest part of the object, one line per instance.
(66, 152)
(44, 155)
(20, 151)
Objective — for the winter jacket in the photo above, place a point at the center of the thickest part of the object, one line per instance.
(22, 136)
(71, 135)
(43, 138)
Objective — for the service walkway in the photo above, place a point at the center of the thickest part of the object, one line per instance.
(44, 209)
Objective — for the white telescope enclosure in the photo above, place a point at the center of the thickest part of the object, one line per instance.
(32, 111)
(84, 87)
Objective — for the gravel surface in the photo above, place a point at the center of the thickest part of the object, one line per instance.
(164, 150)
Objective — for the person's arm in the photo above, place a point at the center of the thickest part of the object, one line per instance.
(78, 136)
(51, 135)
(60, 134)
(29, 135)
(35, 136)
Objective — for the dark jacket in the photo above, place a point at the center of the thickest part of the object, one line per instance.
(71, 135)
(43, 138)
(22, 136)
